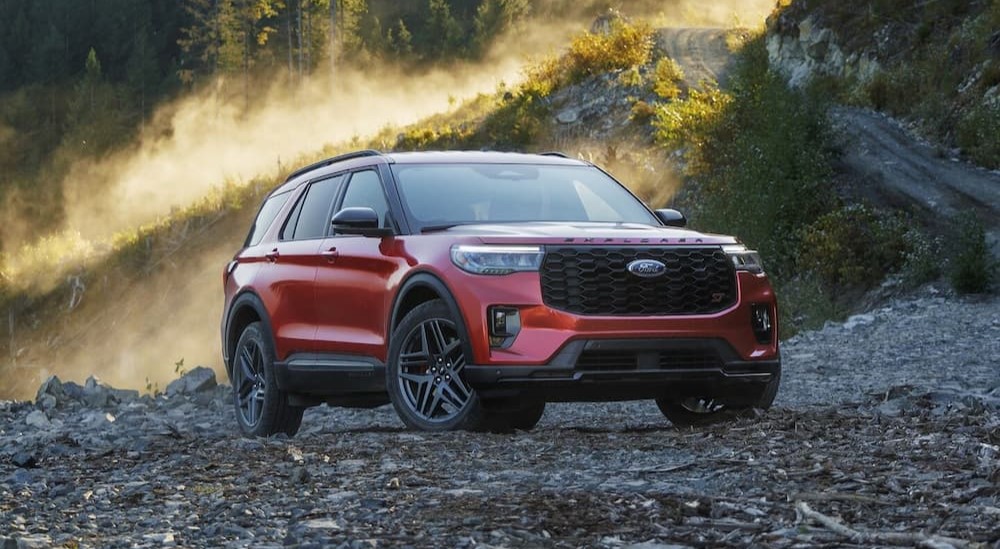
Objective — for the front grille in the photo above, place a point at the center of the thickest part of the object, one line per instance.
(673, 359)
(592, 280)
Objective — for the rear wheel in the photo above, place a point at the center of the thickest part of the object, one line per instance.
(699, 411)
(261, 408)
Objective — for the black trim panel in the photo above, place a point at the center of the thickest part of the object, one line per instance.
(651, 375)
(329, 375)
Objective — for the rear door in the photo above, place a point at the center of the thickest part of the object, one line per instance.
(286, 280)
(352, 282)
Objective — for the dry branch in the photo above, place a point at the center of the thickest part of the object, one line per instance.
(889, 538)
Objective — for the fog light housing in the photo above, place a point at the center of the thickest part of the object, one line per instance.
(762, 323)
(504, 323)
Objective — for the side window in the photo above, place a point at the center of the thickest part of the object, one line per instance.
(268, 211)
(365, 189)
(311, 216)
(288, 231)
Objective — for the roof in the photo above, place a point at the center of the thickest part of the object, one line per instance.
(370, 157)
(480, 157)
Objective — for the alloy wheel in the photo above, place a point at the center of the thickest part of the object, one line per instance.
(249, 383)
(430, 371)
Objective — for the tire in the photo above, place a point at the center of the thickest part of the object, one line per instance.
(702, 411)
(262, 410)
(521, 418)
(424, 374)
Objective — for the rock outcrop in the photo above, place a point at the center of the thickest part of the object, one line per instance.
(802, 50)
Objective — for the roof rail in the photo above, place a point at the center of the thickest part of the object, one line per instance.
(332, 160)
(554, 153)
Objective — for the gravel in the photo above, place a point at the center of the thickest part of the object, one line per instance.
(886, 432)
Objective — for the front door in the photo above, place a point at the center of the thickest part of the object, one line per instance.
(352, 297)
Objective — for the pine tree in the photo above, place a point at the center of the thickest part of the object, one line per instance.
(443, 32)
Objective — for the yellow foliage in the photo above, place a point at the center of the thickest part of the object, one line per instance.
(626, 46)
(667, 78)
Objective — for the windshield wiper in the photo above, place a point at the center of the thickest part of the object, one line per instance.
(436, 228)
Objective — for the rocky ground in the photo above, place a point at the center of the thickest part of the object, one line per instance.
(886, 432)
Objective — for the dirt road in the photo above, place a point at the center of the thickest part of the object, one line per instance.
(891, 166)
(701, 52)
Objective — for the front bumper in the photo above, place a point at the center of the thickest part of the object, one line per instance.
(625, 369)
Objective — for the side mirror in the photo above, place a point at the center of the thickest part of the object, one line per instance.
(362, 221)
(671, 218)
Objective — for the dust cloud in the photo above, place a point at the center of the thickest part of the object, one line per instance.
(210, 141)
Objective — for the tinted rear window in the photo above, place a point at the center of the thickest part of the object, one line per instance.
(265, 217)
(316, 210)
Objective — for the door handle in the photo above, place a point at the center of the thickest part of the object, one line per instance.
(330, 255)
(272, 255)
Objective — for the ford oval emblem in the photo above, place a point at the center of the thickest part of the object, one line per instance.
(647, 268)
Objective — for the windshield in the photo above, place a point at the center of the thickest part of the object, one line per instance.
(440, 195)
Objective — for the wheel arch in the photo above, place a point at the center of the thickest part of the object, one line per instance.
(420, 288)
(246, 309)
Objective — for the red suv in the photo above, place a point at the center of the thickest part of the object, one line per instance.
(470, 288)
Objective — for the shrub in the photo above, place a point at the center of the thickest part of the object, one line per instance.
(758, 154)
(973, 267)
(979, 135)
(887, 91)
(627, 45)
(687, 123)
(854, 246)
(642, 112)
(805, 304)
(667, 79)
(922, 262)
(426, 138)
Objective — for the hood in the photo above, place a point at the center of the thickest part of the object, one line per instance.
(585, 233)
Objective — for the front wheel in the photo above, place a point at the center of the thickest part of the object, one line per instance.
(700, 411)
(425, 377)
(261, 408)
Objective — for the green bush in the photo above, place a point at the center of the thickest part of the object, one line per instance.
(805, 305)
(758, 155)
(854, 246)
(979, 135)
(891, 92)
(973, 267)
(922, 262)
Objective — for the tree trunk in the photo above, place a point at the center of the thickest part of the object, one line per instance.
(309, 36)
(298, 5)
(333, 37)
(288, 27)
(246, 70)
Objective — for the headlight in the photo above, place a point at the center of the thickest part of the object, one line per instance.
(496, 260)
(744, 259)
